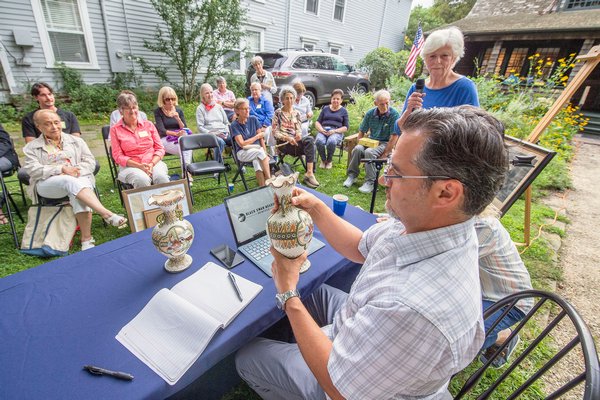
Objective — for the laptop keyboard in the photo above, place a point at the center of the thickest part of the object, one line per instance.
(260, 248)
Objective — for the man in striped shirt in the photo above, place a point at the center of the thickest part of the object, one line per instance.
(413, 316)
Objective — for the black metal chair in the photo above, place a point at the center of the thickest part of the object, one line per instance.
(241, 167)
(23, 177)
(7, 203)
(210, 167)
(112, 166)
(588, 373)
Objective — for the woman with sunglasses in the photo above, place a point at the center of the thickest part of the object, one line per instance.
(170, 123)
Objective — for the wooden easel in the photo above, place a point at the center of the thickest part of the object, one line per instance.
(591, 60)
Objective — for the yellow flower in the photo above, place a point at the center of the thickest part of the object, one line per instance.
(572, 55)
(564, 78)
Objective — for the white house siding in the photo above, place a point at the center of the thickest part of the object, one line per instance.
(129, 22)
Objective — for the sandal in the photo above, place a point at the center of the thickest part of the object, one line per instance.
(310, 181)
(3, 219)
(116, 220)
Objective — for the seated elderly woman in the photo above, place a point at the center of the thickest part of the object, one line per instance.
(262, 109)
(136, 147)
(287, 130)
(212, 119)
(248, 136)
(62, 165)
(170, 123)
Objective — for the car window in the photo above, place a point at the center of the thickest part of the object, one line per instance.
(304, 62)
(340, 65)
(323, 62)
(270, 60)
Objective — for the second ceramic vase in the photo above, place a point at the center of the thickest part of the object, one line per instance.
(173, 235)
(290, 228)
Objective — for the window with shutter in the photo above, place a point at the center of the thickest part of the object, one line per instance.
(65, 31)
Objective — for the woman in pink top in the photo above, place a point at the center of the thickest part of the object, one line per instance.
(136, 147)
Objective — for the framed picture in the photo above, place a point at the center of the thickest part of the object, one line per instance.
(527, 160)
(141, 215)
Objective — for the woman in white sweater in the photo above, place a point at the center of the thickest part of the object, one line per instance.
(212, 119)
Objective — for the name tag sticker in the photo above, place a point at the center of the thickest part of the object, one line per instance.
(143, 134)
(259, 106)
(63, 124)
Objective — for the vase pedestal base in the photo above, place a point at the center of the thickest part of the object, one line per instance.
(305, 266)
(178, 264)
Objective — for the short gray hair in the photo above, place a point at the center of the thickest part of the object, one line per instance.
(126, 100)
(382, 93)
(239, 102)
(465, 143)
(205, 86)
(285, 90)
(256, 60)
(221, 79)
(450, 36)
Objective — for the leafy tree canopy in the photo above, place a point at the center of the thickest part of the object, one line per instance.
(199, 33)
(442, 12)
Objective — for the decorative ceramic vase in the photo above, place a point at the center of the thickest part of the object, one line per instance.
(173, 235)
(290, 228)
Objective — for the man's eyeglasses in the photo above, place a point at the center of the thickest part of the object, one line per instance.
(387, 177)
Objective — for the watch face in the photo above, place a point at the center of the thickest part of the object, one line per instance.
(278, 301)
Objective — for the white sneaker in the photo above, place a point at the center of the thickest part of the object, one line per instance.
(322, 165)
(88, 244)
(366, 187)
(349, 181)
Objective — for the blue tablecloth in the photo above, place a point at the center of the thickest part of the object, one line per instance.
(64, 314)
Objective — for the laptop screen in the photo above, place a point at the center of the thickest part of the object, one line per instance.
(248, 213)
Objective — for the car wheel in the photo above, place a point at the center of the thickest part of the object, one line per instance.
(311, 98)
(361, 89)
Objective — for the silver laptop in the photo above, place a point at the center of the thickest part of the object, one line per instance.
(248, 213)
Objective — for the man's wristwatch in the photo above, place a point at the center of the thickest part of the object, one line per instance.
(282, 298)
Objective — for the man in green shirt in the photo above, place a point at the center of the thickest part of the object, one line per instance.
(378, 124)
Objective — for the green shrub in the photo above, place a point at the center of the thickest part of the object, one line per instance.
(383, 64)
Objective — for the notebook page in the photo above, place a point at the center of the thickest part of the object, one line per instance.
(168, 335)
(211, 290)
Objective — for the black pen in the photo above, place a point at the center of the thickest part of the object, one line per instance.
(235, 286)
(101, 371)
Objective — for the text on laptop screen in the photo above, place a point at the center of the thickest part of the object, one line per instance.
(249, 213)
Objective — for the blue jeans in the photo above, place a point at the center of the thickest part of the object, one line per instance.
(514, 316)
(219, 155)
(326, 145)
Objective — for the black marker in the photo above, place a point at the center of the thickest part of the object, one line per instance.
(101, 371)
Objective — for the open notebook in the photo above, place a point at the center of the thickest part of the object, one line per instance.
(176, 325)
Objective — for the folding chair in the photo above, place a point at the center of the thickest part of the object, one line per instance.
(582, 340)
(46, 201)
(112, 166)
(8, 169)
(241, 166)
(210, 167)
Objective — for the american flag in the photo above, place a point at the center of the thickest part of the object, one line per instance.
(411, 64)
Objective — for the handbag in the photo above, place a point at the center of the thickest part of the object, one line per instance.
(49, 231)
(175, 139)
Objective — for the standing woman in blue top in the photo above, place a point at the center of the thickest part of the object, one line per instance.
(444, 87)
(331, 126)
